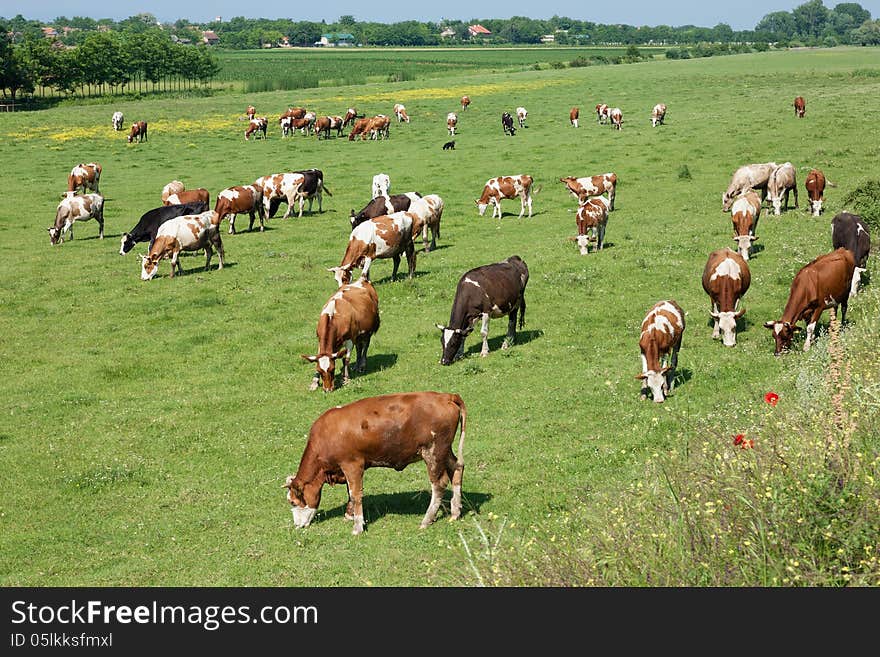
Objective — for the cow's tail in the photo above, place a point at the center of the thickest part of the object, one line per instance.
(326, 191)
(538, 191)
(462, 414)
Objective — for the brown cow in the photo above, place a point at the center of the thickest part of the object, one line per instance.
(294, 112)
(465, 102)
(602, 112)
(358, 128)
(800, 107)
(428, 210)
(281, 187)
(377, 128)
(324, 124)
(592, 218)
(138, 131)
(815, 184)
(583, 188)
(726, 278)
(820, 284)
(76, 208)
(349, 318)
(389, 431)
(658, 114)
(659, 342)
(388, 236)
(400, 113)
(240, 199)
(84, 177)
(616, 117)
(250, 112)
(573, 115)
(350, 116)
(189, 196)
(503, 187)
(744, 214)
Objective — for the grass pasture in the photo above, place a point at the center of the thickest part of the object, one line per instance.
(147, 428)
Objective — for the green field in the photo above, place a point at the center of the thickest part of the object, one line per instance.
(147, 428)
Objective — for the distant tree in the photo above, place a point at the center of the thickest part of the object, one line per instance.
(16, 74)
(854, 10)
(347, 20)
(810, 18)
(867, 34)
(780, 24)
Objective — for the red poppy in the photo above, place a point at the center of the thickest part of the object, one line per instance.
(739, 439)
(771, 398)
(747, 444)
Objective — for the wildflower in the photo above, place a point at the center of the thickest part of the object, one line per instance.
(739, 439)
(771, 398)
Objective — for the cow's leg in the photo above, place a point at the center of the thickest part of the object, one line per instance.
(484, 332)
(611, 194)
(354, 475)
(346, 376)
(716, 331)
(673, 366)
(454, 471)
(218, 243)
(363, 344)
(208, 253)
(396, 260)
(365, 271)
(496, 208)
(856, 279)
(437, 472)
(529, 202)
(174, 263)
(232, 222)
(795, 196)
(811, 327)
(411, 258)
(510, 338)
(601, 238)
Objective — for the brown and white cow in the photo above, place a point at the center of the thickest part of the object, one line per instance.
(800, 107)
(295, 112)
(349, 319)
(465, 102)
(138, 132)
(238, 200)
(616, 117)
(186, 233)
(744, 215)
(428, 210)
(384, 205)
(281, 187)
(286, 123)
(377, 128)
(76, 208)
(189, 196)
(84, 177)
(726, 279)
(174, 187)
(573, 115)
(748, 176)
(451, 122)
(584, 188)
(503, 187)
(658, 114)
(592, 218)
(250, 112)
(388, 236)
(400, 113)
(823, 283)
(659, 343)
(350, 116)
(602, 112)
(358, 128)
(306, 124)
(390, 431)
(782, 181)
(815, 184)
(324, 124)
(849, 231)
(258, 125)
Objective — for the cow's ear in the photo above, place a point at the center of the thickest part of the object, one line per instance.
(440, 326)
(769, 325)
(641, 376)
(311, 359)
(740, 314)
(795, 328)
(342, 353)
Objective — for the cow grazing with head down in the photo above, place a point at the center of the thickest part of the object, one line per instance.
(573, 115)
(602, 113)
(748, 176)
(147, 227)
(390, 431)
(400, 113)
(726, 279)
(358, 128)
(616, 117)
(350, 116)
(584, 188)
(138, 132)
(658, 114)
(503, 187)
(783, 180)
(185, 233)
(823, 283)
(465, 102)
(428, 211)
(257, 126)
(387, 236)
(76, 208)
(800, 107)
(278, 188)
(659, 343)
(174, 187)
(117, 120)
(744, 215)
(849, 231)
(592, 218)
(382, 205)
(815, 185)
(377, 128)
(485, 292)
(381, 185)
(233, 201)
(84, 177)
(451, 122)
(189, 196)
(349, 319)
(507, 124)
(521, 116)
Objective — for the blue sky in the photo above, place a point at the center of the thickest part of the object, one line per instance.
(740, 14)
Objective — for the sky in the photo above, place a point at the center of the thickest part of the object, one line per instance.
(740, 14)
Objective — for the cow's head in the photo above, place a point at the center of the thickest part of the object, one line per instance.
(55, 235)
(149, 266)
(656, 383)
(481, 207)
(783, 332)
(126, 244)
(816, 207)
(325, 368)
(727, 325)
(452, 343)
(341, 274)
(745, 244)
(777, 204)
(726, 201)
(303, 500)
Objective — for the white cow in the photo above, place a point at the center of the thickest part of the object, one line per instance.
(381, 185)
(451, 122)
(521, 114)
(117, 120)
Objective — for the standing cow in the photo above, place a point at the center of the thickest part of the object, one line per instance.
(602, 113)
(280, 187)
(748, 176)
(76, 208)
(400, 113)
(138, 132)
(451, 122)
(465, 102)
(726, 279)
(382, 205)
(381, 185)
(84, 177)
(849, 231)
(584, 188)
(592, 218)
(117, 119)
(258, 125)
(744, 215)
(238, 200)
(782, 181)
(658, 114)
(388, 236)
(507, 124)
(573, 115)
(147, 227)
(659, 343)
(616, 117)
(815, 185)
(800, 107)
(186, 233)
(521, 116)
(503, 187)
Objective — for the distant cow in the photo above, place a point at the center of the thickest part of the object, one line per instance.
(573, 115)
(350, 116)
(815, 184)
(84, 177)
(382, 205)
(190, 196)
(258, 125)
(428, 211)
(378, 127)
(658, 114)
(250, 112)
(358, 128)
(616, 117)
(174, 187)
(823, 283)
(521, 116)
(744, 215)
(800, 107)
(381, 185)
(726, 279)
(782, 181)
(117, 119)
(238, 200)
(602, 113)
(659, 343)
(503, 187)
(485, 292)
(138, 132)
(76, 208)
(324, 124)
(400, 113)
(147, 227)
(465, 102)
(584, 188)
(592, 218)
(451, 122)
(850, 232)
(748, 176)
(388, 236)
(349, 319)
(295, 112)
(185, 233)
(281, 187)
(507, 124)
(388, 431)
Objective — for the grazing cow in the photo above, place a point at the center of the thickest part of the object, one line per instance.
(350, 115)
(592, 218)
(190, 196)
(428, 211)
(800, 107)
(820, 284)
(185, 233)
(138, 132)
(389, 431)
(659, 343)
(451, 122)
(349, 318)
(281, 187)
(387, 236)
(324, 124)
(250, 112)
(573, 116)
(465, 102)
(258, 125)
(521, 116)
(240, 199)
(503, 187)
(485, 292)
(312, 187)
(658, 114)
(377, 128)
(400, 113)
(358, 128)
(381, 185)
(384, 205)
(602, 113)
(507, 124)
(748, 176)
(295, 112)
(744, 214)
(306, 124)
(174, 187)
(782, 181)
(117, 120)
(84, 177)
(148, 225)
(76, 208)
(449, 145)
(616, 117)
(815, 184)
(286, 123)
(583, 188)
(850, 232)
(726, 279)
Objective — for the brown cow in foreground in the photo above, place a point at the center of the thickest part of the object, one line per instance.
(659, 342)
(820, 284)
(390, 431)
(573, 116)
(726, 278)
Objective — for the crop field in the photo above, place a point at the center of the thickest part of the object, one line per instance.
(147, 427)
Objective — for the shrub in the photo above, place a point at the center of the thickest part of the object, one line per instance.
(864, 201)
(672, 53)
(761, 46)
(579, 62)
(557, 65)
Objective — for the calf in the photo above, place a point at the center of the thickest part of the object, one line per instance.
(573, 115)
(381, 185)
(388, 236)
(185, 233)
(239, 199)
(502, 187)
(138, 132)
(117, 120)
(800, 107)
(465, 102)
(84, 177)
(658, 114)
(76, 208)
(584, 188)
(782, 181)
(823, 283)
(850, 232)
(428, 211)
(602, 113)
(521, 116)
(507, 124)
(451, 122)
(382, 205)
(189, 196)
(744, 214)
(726, 279)
(388, 431)
(815, 184)
(748, 176)
(616, 117)
(659, 343)
(400, 113)
(485, 292)
(280, 187)
(174, 187)
(349, 318)
(592, 217)
(258, 125)
(148, 225)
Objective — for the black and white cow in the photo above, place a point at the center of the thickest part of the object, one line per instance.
(485, 292)
(507, 124)
(383, 205)
(148, 225)
(313, 187)
(851, 232)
